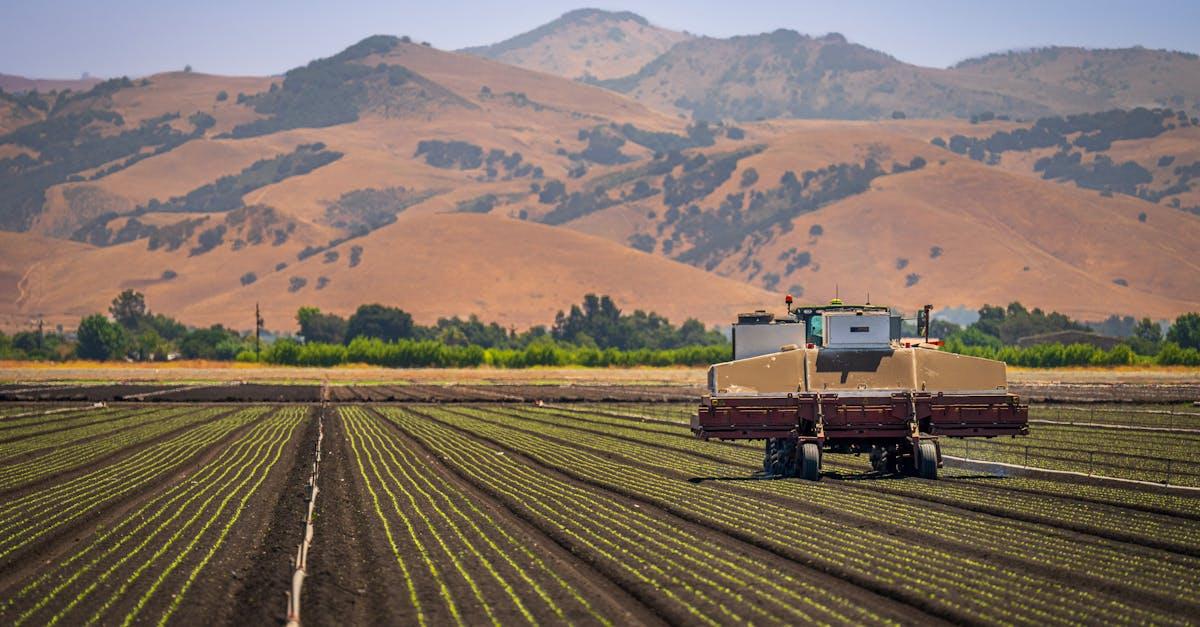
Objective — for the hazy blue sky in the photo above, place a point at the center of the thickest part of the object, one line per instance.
(49, 38)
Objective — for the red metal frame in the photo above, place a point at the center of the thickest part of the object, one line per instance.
(830, 416)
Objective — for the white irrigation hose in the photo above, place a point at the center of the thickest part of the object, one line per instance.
(1123, 410)
(200, 386)
(1071, 473)
(301, 565)
(1102, 425)
(60, 410)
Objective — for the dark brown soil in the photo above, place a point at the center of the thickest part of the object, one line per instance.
(605, 596)
(27, 560)
(918, 537)
(103, 460)
(352, 578)
(518, 393)
(264, 568)
(653, 597)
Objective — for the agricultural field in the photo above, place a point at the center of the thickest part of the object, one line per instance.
(581, 513)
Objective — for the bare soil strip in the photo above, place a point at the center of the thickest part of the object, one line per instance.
(352, 578)
(258, 581)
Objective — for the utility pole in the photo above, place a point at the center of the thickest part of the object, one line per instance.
(258, 326)
(41, 335)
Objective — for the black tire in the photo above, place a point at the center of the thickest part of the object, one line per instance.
(810, 461)
(878, 459)
(787, 458)
(927, 460)
(768, 455)
(773, 464)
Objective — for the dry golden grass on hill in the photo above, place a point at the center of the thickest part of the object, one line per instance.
(999, 237)
(510, 271)
(1002, 232)
(587, 42)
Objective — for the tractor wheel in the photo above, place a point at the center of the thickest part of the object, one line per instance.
(774, 464)
(787, 458)
(768, 455)
(878, 459)
(927, 460)
(810, 461)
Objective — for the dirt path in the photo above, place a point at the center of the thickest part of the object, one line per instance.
(352, 578)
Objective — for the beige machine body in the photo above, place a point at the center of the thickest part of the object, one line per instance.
(848, 370)
(847, 382)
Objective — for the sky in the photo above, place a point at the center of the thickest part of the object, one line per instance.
(65, 38)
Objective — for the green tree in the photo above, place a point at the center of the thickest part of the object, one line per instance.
(100, 339)
(151, 346)
(380, 321)
(1186, 331)
(128, 309)
(203, 343)
(1146, 338)
(1148, 330)
(321, 327)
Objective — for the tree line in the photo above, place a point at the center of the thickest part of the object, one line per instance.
(593, 333)
(995, 336)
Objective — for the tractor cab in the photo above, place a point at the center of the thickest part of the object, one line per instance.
(838, 325)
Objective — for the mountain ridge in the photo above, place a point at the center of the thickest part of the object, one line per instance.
(389, 169)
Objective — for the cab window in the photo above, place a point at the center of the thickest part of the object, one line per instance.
(815, 331)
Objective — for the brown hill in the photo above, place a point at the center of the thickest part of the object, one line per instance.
(1086, 79)
(786, 74)
(926, 225)
(514, 272)
(367, 176)
(12, 83)
(587, 43)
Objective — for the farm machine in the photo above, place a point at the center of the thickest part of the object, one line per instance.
(840, 378)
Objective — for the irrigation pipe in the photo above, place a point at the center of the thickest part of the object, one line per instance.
(145, 395)
(60, 410)
(1035, 471)
(1101, 425)
(1122, 410)
(301, 560)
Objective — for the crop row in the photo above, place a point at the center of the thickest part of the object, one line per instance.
(1054, 502)
(1124, 441)
(152, 556)
(24, 520)
(678, 570)
(58, 452)
(10, 409)
(1139, 526)
(1156, 502)
(964, 586)
(1175, 465)
(1168, 416)
(53, 434)
(488, 572)
(1034, 545)
(39, 419)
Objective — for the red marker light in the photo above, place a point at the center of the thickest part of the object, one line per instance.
(788, 299)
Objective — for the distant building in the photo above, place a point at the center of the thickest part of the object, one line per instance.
(1069, 337)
